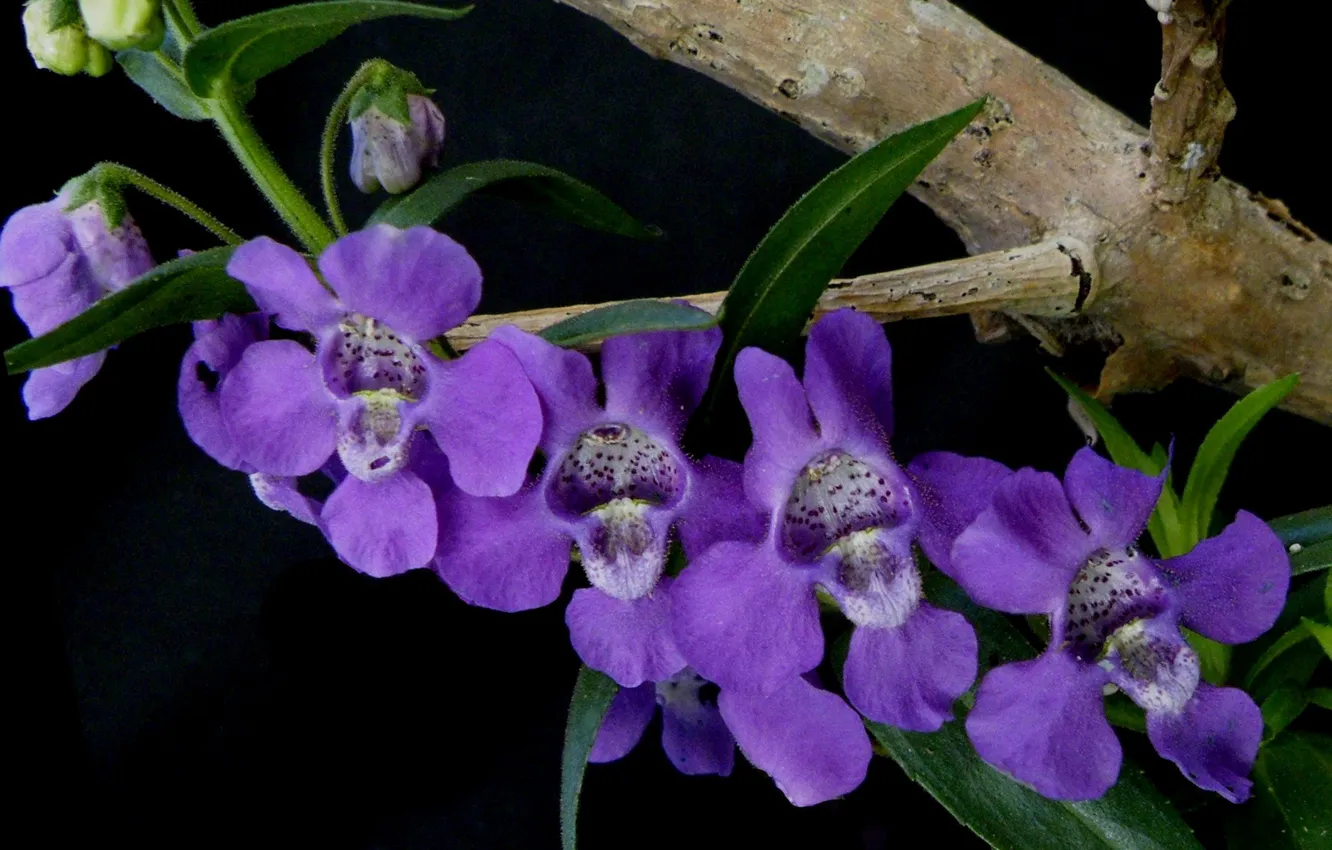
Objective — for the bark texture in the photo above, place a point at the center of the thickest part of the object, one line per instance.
(1200, 276)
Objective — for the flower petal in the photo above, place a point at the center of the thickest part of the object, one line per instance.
(1231, 587)
(1023, 551)
(808, 740)
(280, 494)
(281, 282)
(384, 528)
(909, 676)
(693, 733)
(848, 377)
(1214, 740)
(629, 641)
(418, 281)
(625, 721)
(784, 435)
(1115, 502)
(1043, 723)
(715, 508)
(217, 349)
(510, 553)
(35, 241)
(745, 619)
(485, 415)
(953, 491)
(657, 379)
(275, 406)
(49, 302)
(563, 381)
(51, 389)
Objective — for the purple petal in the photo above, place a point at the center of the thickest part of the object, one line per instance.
(1214, 740)
(779, 416)
(1114, 502)
(280, 494)
(384, 528)
(716, 508)
(628, 641)
(48, 303)
(510, 553)
(35, 241)
(485, 415)
(809, 741)
(1023, 551)
(51, 389)
(280, 416)
(1043, 723)
(563, 381)
(909, 676)
(217, 349)
(693, 733)
(745, 619)
(115, 257)
(282, 283)
(625, 721)
(953, 491)
(657, 379)
(1231, 587)
(418, 281)
(848, 377)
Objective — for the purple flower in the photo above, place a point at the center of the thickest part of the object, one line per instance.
(389, 153)
(693, 733)
(615, 482)
(1026, 544)
(57, 264)
(371, 388)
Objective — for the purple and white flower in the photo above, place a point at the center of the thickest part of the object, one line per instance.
(391, 154)
(1024, 543)
(615, 483)
(693, 733)
(371, 387)
(56, 264)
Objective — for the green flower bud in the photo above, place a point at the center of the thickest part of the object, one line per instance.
(124, 24)
(58, 41)
(397, 131)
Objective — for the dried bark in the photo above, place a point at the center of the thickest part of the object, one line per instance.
(1201, 277)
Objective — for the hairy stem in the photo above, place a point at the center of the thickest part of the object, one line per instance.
(125, 176)
(336, 116)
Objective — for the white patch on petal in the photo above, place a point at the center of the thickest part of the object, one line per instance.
(622, 556)
(877, 584)
(371, 444)
(1158, 670)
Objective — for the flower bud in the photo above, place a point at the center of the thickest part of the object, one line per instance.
(124, 24)
(59, 42)
(397, 130)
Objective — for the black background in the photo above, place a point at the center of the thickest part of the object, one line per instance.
(189, 668)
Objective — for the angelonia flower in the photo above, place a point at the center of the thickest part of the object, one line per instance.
(124, 24)
(841, 515)
(56, 263)
(371, 392)
(1023, 543)
(615, 482)
(58, 40)
(397, 131)
(693, 733)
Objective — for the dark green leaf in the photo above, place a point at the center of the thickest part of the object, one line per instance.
(1322, 633)
(776, 290)
(184, 290)
(592, 697)
(1321, 697)
(625, 318)
(1292, 784)
(1290, 639)
(162, 84)
(1214, 656)
(1310, 532)
(1212, 463)
(1281, 708)
(1311, 558)
(246, 49)
(545, 189)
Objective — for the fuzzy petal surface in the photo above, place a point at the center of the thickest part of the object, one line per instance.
(282, 283)
(848, 377)
(35, 241)
(382, 528)
(1114, 502)
(630, 641)
(627, 718)
(48, 303)
(280, 494)
(217, 348)
(657, 379)
(785, 438)
(280, 417)
(1214, 739)
(696, 739)
(563, 381)
(954, 489)
(49, 390)
(716, 508)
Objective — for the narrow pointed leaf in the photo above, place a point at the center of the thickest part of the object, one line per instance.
(1283, 644)
(183, 290)
(1308, 538)
(592, 697)
(247, 49)
(1281, 709)
(163, 85)
(1292, 784)
(537, 186)
(626, 317)
(1212, 463)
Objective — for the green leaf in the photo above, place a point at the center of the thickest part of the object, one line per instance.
(1295, 636)
(1321, 697)
(1321, 633)
(1292, 784)
(592, 697)
(627, 317)
(1308, 535)
(1218, 449)
(1310, 558)
(247, 49)
(183, 290)
(1281, 708)
(542, 188)
(1007, 814)
(1214, 656)
(1165, 526)
(776, 290)
(163, 85)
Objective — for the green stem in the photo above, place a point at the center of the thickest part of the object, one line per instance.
(129, 177)
(182, 15)
(336, 116)
(286, 198)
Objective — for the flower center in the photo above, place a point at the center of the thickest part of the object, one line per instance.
(1112, 589)
(1151, 662)
(369, 356)
(837, 495)
(370, 443)
(622, 554)
(686, 693)
(877, 582)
